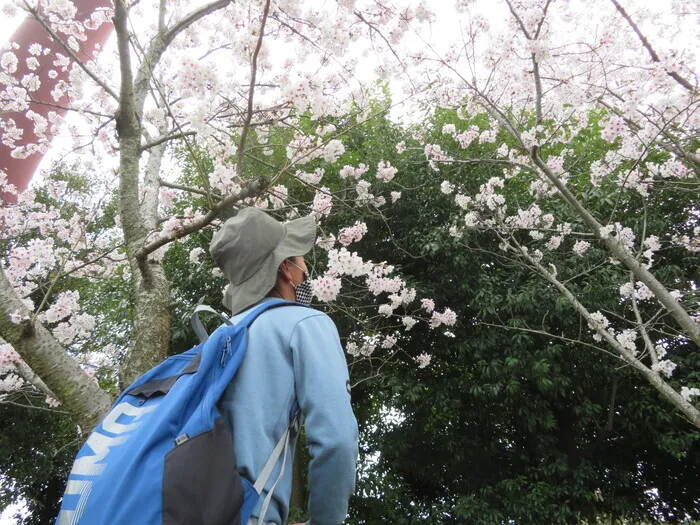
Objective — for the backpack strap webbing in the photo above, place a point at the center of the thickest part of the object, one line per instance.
(197, 323)
(280, 449)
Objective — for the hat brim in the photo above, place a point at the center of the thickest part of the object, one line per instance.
(299, 238)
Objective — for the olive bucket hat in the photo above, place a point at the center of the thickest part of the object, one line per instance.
(249, 249)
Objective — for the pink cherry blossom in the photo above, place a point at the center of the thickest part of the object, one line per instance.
(428, 305)
(323, 203)
(580, 247)
(408, 322)
(351, 234)
(8, 358)
(326, 288)
(349, 171)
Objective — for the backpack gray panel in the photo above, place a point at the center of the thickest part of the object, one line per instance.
(200, 483)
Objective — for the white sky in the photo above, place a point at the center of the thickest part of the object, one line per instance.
(6, 518)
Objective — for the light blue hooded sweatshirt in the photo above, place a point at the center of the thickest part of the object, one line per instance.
(294, 355)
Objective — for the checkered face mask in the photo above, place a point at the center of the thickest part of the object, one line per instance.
(303, 292)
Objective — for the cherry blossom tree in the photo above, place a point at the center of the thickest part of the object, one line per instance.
(539, 79)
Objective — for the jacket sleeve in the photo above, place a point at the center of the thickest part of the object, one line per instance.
(323, 392)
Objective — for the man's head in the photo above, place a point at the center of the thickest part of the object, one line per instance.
(256, 253)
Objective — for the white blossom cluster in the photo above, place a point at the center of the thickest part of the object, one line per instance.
(627, 340)
(385, 171)
(349, 171)
(435, 155)
(303, 149)
(323, 203)
(377, 280)
(687, 393)
(56, 245)
(310, 178)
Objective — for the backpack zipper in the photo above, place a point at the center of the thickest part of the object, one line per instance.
(226, 351)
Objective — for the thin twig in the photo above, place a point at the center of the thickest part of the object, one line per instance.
(188, 189)
(548, 334)
(645, 336)
(53, 410)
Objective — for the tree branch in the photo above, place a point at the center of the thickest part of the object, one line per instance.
(386, 41)
(155, 51)
(190, 19)
(645, 336)
(654, 57)
(183, 188)
(32, 407)
(47, 358)
(149, 206)
(548, 334)
(69, 108)
(129, 132)
(673, 397)
(535, 63)
(104, 255)
(161, 15)
(251, 90)
(689, 326)
(161, 42)
(673, 146)
(253, 189)
(159, 141)
(30, 377)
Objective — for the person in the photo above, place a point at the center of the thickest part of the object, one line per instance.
(294, 358)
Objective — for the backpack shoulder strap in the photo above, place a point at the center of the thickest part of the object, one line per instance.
(291, 431)
(296, 420)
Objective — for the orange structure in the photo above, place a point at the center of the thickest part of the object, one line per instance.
(20, 171)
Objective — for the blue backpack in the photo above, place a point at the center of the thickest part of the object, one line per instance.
(163, 455)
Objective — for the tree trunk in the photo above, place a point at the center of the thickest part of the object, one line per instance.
(150, 338)
(151, 332)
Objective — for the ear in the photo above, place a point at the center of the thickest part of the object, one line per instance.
(283, 271)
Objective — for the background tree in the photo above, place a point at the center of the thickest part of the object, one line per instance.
(509, 422)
